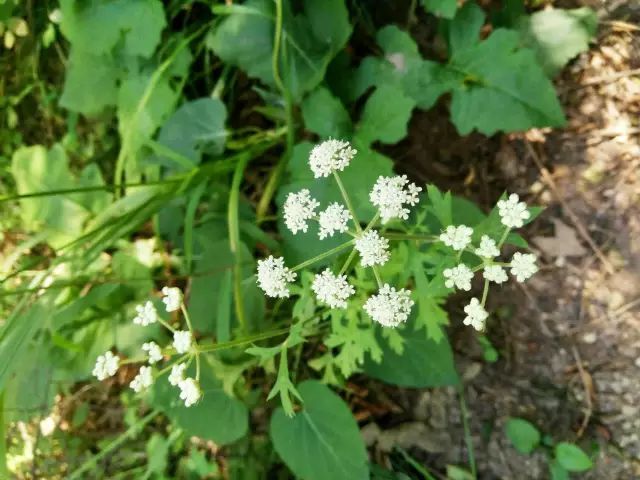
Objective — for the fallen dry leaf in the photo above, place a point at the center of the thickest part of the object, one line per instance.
(564, 243)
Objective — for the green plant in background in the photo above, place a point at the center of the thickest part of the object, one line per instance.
(563, 457)
(151, 186)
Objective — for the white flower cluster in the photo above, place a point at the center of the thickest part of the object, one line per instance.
(273, 277)
(190, 391)
(331, 289)
(373, 249)
(391, 195)
(298, 209)
(513, 214)
(107, 364)
(330, 156)
(390, 307)
(333, 219)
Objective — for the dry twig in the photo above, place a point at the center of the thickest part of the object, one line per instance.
(587, 384)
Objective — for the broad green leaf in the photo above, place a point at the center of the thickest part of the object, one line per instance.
(37, 170)
(423, 363)
(441, 8)
(572, 458)
(501, 87)
(558, 35)
(464, 31)
(523, 435)
(90, 83)
(197, 126)
(325, 115)
(557, 472)
(142, 107)
(96, 26)
(358, 179)
(215, 417)
(323, 440)
(310, 40)
(95, 201)
(385, 117)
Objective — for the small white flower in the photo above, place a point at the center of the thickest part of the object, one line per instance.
(298, 209)
(476, 315)
(143, 380)
(457, 237)
(177, 373)
(153, 351)
(273, 276)
(488, 248)
(172, 298)
(146, 314)
(373, 249)
(182, 341)
(523, 266)
(390, 307)
(459, 276)
(331, 289)
(495, 273)
(390, 194)
(189, 391)
(106, 365)
(333, 219)
(512, 212)
(330, 156)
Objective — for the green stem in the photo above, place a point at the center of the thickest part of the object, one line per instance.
(128, 137)
(372, 222)
(467, 432)
(376, 273)
(274, 178)
(4, 471)
(234, 242)
(243, 341)
(504, 237)
(348, 262)
(485, 291)
(328, 253)
(347, 200)
(114, 445)
(187, 318)
(410, 236)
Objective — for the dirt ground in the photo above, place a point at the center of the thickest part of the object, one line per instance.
(569, 340)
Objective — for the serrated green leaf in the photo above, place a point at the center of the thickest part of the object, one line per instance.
(501, 87)
(423, 363)
(355, 338)
(523, 435)
(441, 8)
(440, 205)
(310, 40)
(385, 117)
(325, 115)
(558, 35)
(311, 445)
(572, 458)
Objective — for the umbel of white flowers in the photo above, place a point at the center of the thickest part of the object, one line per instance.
(392, 196)
(107, 364)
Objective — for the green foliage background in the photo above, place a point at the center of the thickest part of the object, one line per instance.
(176, 129)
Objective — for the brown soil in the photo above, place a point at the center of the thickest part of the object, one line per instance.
(569, 339)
